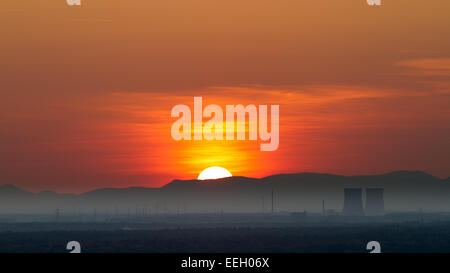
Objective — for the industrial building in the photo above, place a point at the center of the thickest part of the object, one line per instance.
(375, 202)
(353, 202)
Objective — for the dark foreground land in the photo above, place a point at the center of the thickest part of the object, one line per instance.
(316, 237)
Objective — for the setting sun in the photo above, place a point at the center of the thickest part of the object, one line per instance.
(214, 173)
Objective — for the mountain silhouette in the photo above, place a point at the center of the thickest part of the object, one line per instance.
(404, 191)
(11, 191)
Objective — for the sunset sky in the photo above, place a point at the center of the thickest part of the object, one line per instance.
(86, 92)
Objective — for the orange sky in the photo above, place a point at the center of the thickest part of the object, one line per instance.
(86, 92)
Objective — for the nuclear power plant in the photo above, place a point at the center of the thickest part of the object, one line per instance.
(353, 202)
(374, 202)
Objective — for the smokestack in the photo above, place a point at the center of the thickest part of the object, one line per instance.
(353, 202)
(375, 202)
(263, 205)
(272, 201)
(323, 207)
(57, 213)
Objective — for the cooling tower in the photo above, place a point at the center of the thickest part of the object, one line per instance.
(353, 202)
(374, 202)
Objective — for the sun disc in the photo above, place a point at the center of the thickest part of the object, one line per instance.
(214, 173)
